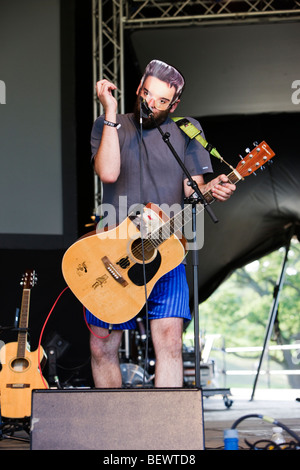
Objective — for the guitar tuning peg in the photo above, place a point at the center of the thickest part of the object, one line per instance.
(241, 157)
(255, 143)
(247, 150)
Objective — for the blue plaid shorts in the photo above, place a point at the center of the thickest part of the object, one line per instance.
(168, 298)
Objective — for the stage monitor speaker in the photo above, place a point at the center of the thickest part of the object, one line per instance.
(114, 419)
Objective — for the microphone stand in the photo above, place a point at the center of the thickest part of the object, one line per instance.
(195, 256)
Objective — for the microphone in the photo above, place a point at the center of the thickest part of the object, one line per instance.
(146, 111)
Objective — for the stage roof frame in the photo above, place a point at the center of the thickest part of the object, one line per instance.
(110, 19)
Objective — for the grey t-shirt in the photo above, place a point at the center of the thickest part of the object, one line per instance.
(149, 171)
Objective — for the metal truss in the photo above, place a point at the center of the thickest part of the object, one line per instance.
(108, 47)
(112, 17)
(108, 57)
(158, 13)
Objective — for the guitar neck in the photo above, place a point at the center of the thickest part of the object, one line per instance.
(23, 323)
(176, 223)
(233, 178)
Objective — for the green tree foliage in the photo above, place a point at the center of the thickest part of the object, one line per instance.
(239, 309)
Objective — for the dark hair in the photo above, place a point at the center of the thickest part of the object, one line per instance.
(166, 73)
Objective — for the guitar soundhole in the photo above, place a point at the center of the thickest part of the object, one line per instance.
(137, 250)
(19, 364)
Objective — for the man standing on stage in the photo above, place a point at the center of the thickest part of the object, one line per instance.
(138, 164)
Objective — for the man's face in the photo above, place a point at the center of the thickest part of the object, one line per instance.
(159, 96)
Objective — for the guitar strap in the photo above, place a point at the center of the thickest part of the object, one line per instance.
(193, 133)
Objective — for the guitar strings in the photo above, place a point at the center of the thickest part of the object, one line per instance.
(163, 232)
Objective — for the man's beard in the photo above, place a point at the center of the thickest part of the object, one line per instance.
(148, 123)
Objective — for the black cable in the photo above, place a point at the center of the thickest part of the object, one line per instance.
(239, 420)
(143, 250)
(270, 445)
(269, 420)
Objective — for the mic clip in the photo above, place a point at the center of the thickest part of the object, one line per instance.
(145, 110)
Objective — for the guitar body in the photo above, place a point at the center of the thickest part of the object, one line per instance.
(105, 270)
(19, 376)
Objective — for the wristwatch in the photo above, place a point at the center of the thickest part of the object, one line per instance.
(112, 124)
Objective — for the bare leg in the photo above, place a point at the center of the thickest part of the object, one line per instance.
(167, 342)
(105, 359)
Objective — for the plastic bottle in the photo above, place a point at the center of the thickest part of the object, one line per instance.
(277, 435)
(231, 439)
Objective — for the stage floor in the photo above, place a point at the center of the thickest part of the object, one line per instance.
(282, 405)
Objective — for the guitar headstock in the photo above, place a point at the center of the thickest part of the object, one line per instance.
(255, 159)
(29, 279)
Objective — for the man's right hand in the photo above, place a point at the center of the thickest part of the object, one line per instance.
(104, 90)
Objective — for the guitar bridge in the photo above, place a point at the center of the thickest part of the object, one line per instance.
(113, 271)
(17, 385)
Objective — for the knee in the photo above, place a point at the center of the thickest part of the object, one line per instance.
(170, 345)
(105, 348)
(96, 347)
(174, 346)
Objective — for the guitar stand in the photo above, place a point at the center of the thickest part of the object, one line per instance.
(196, 198)
(9, 426)
(135, 364)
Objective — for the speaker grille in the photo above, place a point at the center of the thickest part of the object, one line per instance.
(113, 419)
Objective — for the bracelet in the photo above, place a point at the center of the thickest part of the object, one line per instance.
(112, 124)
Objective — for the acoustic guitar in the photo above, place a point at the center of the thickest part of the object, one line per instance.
(20, 368)
(109, 270)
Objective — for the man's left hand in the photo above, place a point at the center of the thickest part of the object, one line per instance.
(221, 188)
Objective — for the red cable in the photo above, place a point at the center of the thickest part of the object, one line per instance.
(40, 339)
(100, 337)
(44, 326)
